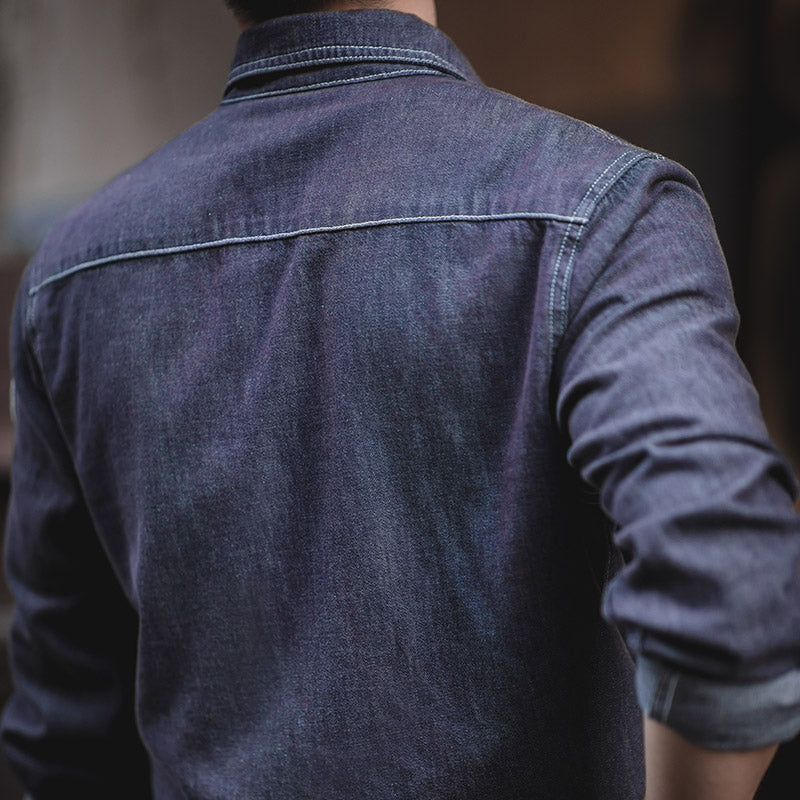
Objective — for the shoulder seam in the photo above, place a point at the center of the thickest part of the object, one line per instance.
(558, 296)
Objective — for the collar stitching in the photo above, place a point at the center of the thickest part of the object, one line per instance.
(326, 84)
(339, 59)
(341, 48)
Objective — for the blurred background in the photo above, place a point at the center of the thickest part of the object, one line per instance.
(89, 87)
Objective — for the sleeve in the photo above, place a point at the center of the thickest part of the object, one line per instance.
(68, 729)
(663, 421)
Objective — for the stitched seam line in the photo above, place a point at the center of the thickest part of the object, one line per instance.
(584, 208)
(270, 237)
(288, 58)
(567, 233)
(326, 84)
(285, 59)
(333, 60)
(570, 263)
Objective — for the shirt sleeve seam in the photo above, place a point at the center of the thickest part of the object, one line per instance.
(558, 296)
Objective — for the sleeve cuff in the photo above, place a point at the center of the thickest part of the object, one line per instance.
(718, 715)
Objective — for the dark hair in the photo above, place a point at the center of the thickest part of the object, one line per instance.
(251, 12)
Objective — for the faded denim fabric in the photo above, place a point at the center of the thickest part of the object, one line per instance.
(341, 419)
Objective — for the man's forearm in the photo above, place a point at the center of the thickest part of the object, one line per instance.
(680, 770)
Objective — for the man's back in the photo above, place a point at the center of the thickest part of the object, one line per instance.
(313, 372)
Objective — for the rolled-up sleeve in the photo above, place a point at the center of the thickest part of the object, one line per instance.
(663, 421)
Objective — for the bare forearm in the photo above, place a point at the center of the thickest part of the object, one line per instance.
(680, 770)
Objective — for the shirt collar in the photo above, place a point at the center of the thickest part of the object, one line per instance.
(308, 51)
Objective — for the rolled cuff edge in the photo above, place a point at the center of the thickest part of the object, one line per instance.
(719, 715)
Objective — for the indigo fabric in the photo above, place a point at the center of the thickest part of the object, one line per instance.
(368, 433)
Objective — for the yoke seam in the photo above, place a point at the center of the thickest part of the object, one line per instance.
(189, 247)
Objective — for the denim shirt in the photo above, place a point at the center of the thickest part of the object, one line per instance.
(383, 436)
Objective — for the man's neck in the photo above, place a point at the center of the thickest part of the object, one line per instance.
(424, 9)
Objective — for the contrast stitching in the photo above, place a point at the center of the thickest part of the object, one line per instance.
(269, 237)
(587, 200)
(281, 59)
(334, 60)
(327, 84)
(570, 263)
(567, 232)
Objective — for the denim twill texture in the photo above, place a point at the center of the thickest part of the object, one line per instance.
(324, 414)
